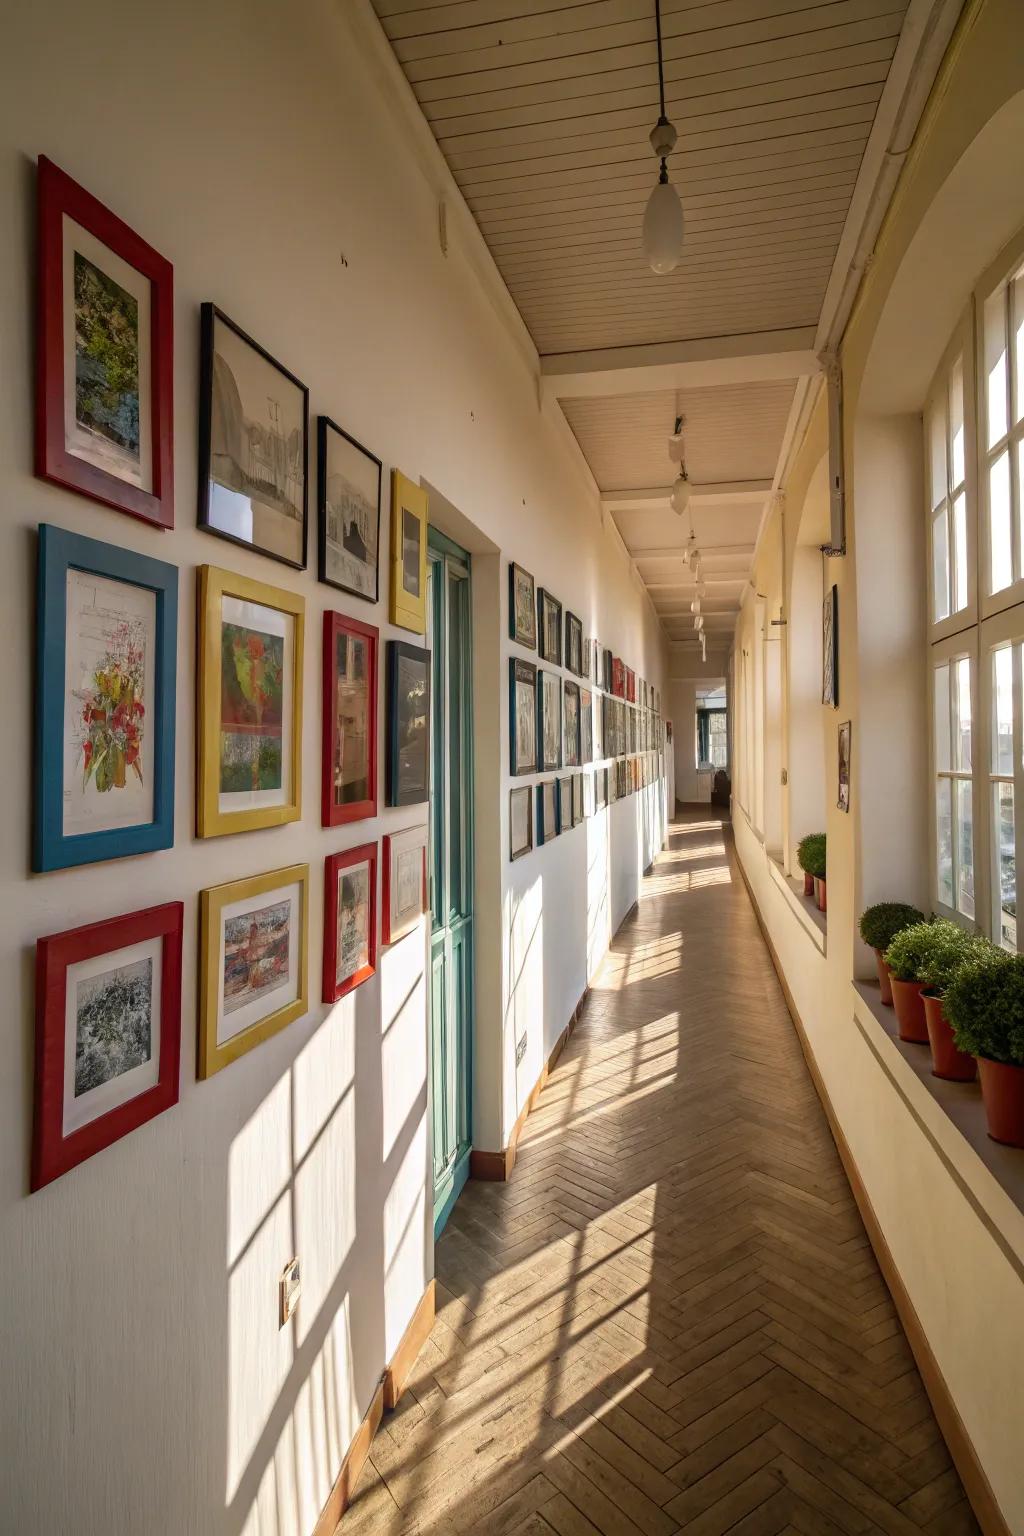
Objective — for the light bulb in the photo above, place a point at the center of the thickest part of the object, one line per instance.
(702, 588)
(681, 494)
(695, 605)
(663, 226)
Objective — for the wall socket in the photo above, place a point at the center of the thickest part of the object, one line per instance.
(289, 1290)
(520, 1051)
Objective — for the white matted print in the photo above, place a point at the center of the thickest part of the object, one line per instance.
(405, 881)
(351, 515)
(107, 359)
(259, 958)
(112, 1013)
(256, 705)
(109, 705)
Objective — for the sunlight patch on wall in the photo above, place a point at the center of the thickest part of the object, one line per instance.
(524, 1007)
(404, 1042)
(259, 1353)
(323, 1072)
(259, 1165)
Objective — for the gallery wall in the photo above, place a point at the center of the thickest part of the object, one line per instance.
(271, 154)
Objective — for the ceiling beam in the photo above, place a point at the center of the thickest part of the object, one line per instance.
(657, 498)
(662, 365)
(707, 552)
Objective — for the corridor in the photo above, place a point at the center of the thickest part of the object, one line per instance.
(670, 1319)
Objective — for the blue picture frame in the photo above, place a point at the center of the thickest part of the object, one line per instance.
(59, 552)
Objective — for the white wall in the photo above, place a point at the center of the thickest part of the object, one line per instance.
(266, 152)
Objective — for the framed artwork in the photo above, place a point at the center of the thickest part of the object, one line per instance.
(520, 821)
(253, 952)
(565, 802)
(607, 668)
(830, 648)
(549, 721)
(253, 443)
(250, 704)
(349, 744)
(618, 677)
(547, 810)
(571, 724)
(586, 726)
(405, 882)
(106, 640)
(105, 355)
(844, 766)
(348, 504)
(600, 788)
(613, 783)
(522, 715)
(549, 627)
(577, 799)
(108, 1034)
(408, 554)
(588, 653)
(589, 783)
(408, 723)
(522, 607)
(574, 644)
(350, 920)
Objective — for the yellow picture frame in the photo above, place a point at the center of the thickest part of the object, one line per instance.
(213, 1053)
(212, 819)
(409, 505)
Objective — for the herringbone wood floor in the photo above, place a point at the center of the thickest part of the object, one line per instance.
(670, 1318)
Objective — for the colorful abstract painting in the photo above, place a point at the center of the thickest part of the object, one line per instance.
(252, 697)
(256, 948)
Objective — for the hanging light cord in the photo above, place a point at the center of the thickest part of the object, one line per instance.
(663, 173)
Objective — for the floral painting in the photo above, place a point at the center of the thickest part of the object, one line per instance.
(256, 949)
(252, 700)
(113, 1024)
(113, 710)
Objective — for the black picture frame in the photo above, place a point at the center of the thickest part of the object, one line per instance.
(401, 751)
(522, 691)
(547, 810)
(549, 607)
(571, 734)
(325, 426)
(210, 316)
(844, 754)
(517, 791)
(565, 820)
(549, 712)
(522, 636)
(574, 644)
(830, 648)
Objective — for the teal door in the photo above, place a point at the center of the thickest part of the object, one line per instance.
(451, 870)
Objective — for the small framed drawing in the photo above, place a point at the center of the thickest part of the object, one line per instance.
(522, 607)
(600, 788)
(573, 644)
(522, 715)
(520, 821)
(565, 802)
(408, 723)
(586, 726)
(350, 920)
(405, 882)
(549, 721)
(571, 724)
(549, 627)
(547, 810)
(844, 766)
(348, 503)
(105, 355)
(250, 704)
(830, 648)
(108, 1034)
(577, 799)
(253, 951)
(588, 652)
(618, 677)
(106, 641)
(349, 772)
(253, 443)
(408, 554)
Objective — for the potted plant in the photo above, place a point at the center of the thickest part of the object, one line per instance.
(949, 950)
(903, 957)
(810, 855)
(879, 925)
(985, 1005)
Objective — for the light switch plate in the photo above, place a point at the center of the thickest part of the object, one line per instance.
(289, 1290)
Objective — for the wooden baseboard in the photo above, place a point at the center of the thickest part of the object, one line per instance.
(412, 1341)
(341, 1493)
(958, 1441)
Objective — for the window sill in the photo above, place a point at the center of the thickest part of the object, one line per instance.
(952, 1117)
(813, 922)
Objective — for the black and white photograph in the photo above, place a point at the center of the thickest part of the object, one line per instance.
(549, 721)
(574, 644)
(571, 724)
(113, 1024)
(586, 726)
(349, 505)
(549, 614)
(522, 710)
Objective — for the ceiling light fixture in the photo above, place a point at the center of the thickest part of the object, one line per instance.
(663, 216)
(695, 605)
(680, 494)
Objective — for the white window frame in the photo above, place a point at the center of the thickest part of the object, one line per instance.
(960, 351)
(1003, 629)
(952, 649)
(995, 285)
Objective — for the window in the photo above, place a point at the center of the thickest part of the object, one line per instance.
(1004, 756)
(947, 487)
(1002, 437)
(711, 738)
(953, 740)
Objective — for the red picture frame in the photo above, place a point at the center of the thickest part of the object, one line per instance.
(630, 685)
(333, 865)
(60, 196)
(618, 677)
(54, 1150)
(331, 813)
(388, 935)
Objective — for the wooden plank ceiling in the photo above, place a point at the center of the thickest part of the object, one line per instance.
(542, 110)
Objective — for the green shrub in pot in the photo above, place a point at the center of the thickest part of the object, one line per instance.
(907, 950)
(880, 924)
(810, 854)
(985, 1005)
(949, 950)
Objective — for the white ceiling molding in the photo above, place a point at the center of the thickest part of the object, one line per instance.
(705, 360)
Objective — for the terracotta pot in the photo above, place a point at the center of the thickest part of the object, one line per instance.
(820, 894)
(883, 978)
(1002, 1088)
(909, 1005)
(808, 884)
(956, 1066)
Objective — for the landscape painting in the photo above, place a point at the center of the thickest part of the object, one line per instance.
(106, 370)
(349, 513)
(113, 1024)
(252, 709)
(256, 954)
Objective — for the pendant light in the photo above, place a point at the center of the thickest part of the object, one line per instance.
(663, 216)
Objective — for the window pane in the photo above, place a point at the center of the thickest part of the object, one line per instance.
(937, 453)
(999, 522)
(995, 368)
(956, 424)
(962, 742)
(1017, 320)
(1007, 872)
(940, 565)
(960, 596)
(944, 840)
(1002, 710)
(942, 762)
(965, 847)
